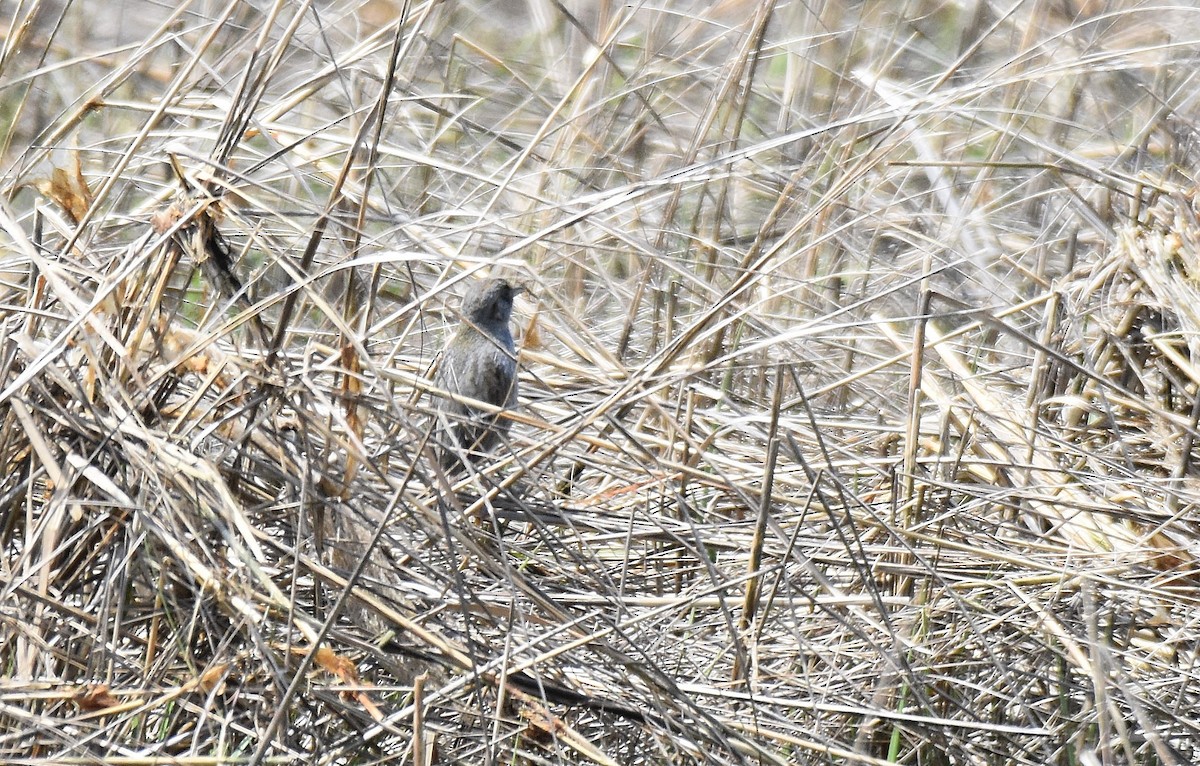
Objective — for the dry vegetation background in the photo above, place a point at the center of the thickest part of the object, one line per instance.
(859, 404)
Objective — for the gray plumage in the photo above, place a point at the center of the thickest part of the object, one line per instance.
(479, 362)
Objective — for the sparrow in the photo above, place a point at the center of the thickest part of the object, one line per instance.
(479, 362)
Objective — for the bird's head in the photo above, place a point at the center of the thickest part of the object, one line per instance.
(489, 302)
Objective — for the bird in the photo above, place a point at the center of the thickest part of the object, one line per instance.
(479, 362)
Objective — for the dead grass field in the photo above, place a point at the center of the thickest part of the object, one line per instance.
(859, 407)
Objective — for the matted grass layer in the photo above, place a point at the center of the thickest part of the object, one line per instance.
(859, 393)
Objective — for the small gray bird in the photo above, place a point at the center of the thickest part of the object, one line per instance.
(479, 362)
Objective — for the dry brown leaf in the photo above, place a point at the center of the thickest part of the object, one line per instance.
(95, 697)
(531, 338)
(163, 220)
(543, 725)
(69, 190)
(213, 677)
(336, 665)
(344, 670)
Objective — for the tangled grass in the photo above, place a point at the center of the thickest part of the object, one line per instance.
(859, 403)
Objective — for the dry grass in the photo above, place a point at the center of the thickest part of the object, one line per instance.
(859, 410)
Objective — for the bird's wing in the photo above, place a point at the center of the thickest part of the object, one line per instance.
(488, 374)
(498, 379)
